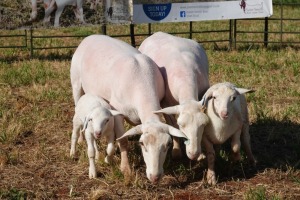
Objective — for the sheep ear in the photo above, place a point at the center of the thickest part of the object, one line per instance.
(115, 112)
(134, 131)
(86, 122)
(244, 90)
(206, 97)
(173, 110)
(175, 132)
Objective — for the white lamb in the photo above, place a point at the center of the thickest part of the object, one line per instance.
(228, 115)
(94, 116)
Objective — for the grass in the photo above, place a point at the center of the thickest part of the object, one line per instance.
(36, 110)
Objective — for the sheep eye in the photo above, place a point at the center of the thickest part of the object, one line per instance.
(214, 97)
(233, 98)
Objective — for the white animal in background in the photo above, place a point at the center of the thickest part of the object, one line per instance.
(33, 14)
(94, 116)
(133, 85)
(59, 5)
(228, 116)
(184, 66)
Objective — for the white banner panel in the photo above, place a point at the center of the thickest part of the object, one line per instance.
(199, 11)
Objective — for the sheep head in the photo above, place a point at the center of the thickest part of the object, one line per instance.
(223, 96)
(102, 121)
(191, 121)
(155, 141)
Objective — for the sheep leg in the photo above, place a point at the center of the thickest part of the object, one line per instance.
(123, 145)
(75, 133)
(210, 154)
(57, 15)
(33, 14)
(96, 150)
(110, 150)
(91, 153)
(236, 145)
(245, 137)
(78, 10)
(48, 11)
(176, 151)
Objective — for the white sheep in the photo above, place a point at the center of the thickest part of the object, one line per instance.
(228, 116)
(184, 66)
(132, 84)
(94, 116)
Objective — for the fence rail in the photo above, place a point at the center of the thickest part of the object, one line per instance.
(233, 32)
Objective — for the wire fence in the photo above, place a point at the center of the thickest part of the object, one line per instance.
(282, 28)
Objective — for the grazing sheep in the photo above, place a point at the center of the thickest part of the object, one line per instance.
(228, 116)
(184, 66)
(133, 85)
(94, 116)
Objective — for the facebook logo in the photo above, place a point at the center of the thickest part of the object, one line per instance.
(182, 14)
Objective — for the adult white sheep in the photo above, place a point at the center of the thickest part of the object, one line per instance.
(133, 85)
(228, 116)
(94, 116)
(184, 66)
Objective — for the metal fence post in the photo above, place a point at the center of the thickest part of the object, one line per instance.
(230, 34)
(266, 34)
(149, 29)
(191, 30)
(234, 33)
(103, 28)
(281, 22)
(132, 35)
(31, 43)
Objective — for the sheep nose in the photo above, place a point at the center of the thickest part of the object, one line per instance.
(193, 156)
(97, 134)
(155, 178)
(224, 114)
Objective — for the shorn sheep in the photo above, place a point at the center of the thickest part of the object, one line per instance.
(184, 66)
(133, 85)
(94, 117)
(228, 116)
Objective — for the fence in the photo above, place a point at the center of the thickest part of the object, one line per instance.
(231, 32)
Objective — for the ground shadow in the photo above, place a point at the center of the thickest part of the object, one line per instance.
(275, 145)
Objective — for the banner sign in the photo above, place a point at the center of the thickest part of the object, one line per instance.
(64, 13)
(199, 11)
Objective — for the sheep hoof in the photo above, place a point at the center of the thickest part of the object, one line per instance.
(108, 160)
(211, 178)
(92, 174)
